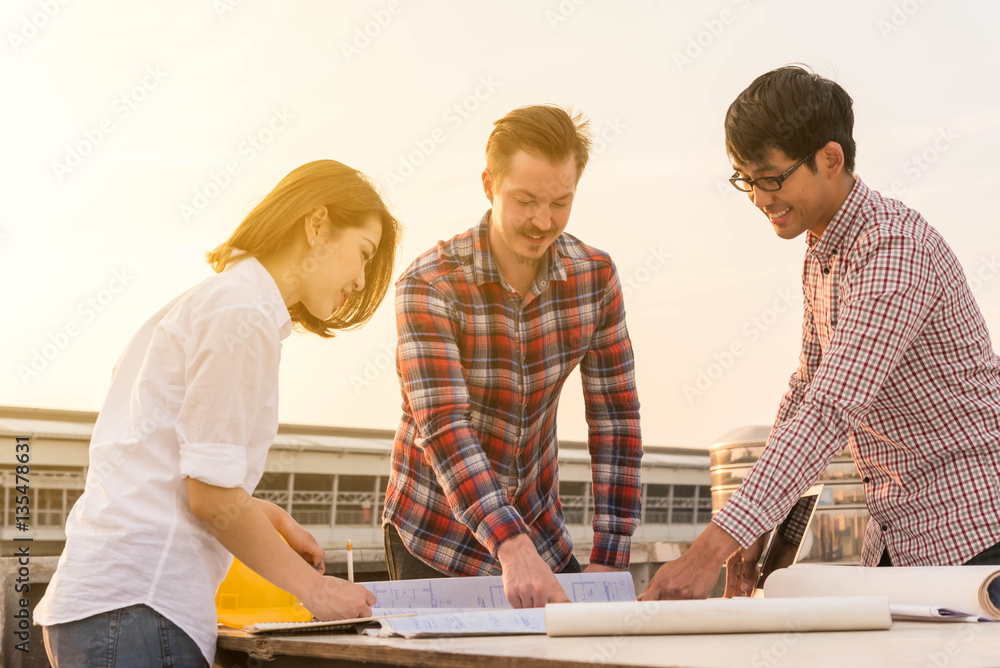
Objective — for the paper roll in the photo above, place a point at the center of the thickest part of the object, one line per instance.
(973, 590)
(737, 615)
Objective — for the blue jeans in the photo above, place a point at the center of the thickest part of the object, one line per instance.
(132, 637)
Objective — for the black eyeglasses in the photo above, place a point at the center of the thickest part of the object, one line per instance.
(766, 183)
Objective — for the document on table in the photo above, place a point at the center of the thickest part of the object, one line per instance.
(466, 622)
(482, 607)
(719, 615)
(933, 593)
(461, 606)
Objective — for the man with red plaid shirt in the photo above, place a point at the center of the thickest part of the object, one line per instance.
(490, 324)
(896, 359)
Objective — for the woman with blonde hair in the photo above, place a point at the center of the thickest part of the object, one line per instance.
(181, 440)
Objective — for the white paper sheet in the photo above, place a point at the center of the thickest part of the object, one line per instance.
(465, 623)
(486, 610)
(736, 615)
(972, 590)
(486, 593)
(922, 613)
(461, 606)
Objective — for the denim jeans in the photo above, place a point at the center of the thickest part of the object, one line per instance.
(132, 637)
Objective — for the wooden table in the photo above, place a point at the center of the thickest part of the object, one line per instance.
(906, 645)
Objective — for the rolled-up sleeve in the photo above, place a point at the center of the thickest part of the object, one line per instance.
(231, 362)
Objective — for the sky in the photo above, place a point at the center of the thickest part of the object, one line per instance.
(140, 134)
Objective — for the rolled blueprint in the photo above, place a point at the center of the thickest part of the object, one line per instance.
(736, 615)
(973, 590)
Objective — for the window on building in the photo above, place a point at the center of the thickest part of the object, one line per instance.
(356, 499)
(273, 487)
(573, 497)
(53, 491)
(704, 504)
(48, 507)
(683, 506)
(657, 506)
(312, 498)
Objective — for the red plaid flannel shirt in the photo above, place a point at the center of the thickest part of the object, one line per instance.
(896, 362)
(481, 369)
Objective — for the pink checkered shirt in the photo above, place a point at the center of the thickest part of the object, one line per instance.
(897, 363)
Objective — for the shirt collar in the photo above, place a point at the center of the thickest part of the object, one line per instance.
(845, 225)
(484, 266)
(272, 302)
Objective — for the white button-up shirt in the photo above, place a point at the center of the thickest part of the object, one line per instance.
(194, 395)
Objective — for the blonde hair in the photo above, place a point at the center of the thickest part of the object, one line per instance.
(350, 200)
(543, 130)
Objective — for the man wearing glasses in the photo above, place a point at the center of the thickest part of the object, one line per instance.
(896, 359)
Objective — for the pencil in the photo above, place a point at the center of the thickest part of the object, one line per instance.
(350, 562)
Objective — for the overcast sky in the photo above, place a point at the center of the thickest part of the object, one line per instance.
(138, 135)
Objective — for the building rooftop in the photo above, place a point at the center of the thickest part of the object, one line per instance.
(78, 426)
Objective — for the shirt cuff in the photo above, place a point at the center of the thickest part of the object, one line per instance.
(219, 464)
(500, 525)
(611, 549)
(739, 522)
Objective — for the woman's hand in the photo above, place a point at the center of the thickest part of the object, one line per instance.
(338, 599)
(294, 534)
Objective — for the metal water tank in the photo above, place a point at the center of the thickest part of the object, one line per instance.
(838, 527)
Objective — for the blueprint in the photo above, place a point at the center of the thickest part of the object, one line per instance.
(464, 623)
(459, 606)
(486, 593)
(477, 605)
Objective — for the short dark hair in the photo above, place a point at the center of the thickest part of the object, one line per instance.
(543, 130)
(791, 109)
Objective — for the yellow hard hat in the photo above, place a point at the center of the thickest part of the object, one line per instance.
(246, 598)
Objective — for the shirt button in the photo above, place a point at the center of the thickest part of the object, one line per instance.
(543, 283)
(885, 527)
(867, 479)
(826, 270)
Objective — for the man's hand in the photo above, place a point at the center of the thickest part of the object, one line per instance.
(696, 572)
(741, 569)
(338, 599)
(528, 581)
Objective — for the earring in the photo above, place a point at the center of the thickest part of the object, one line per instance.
(312, 242)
